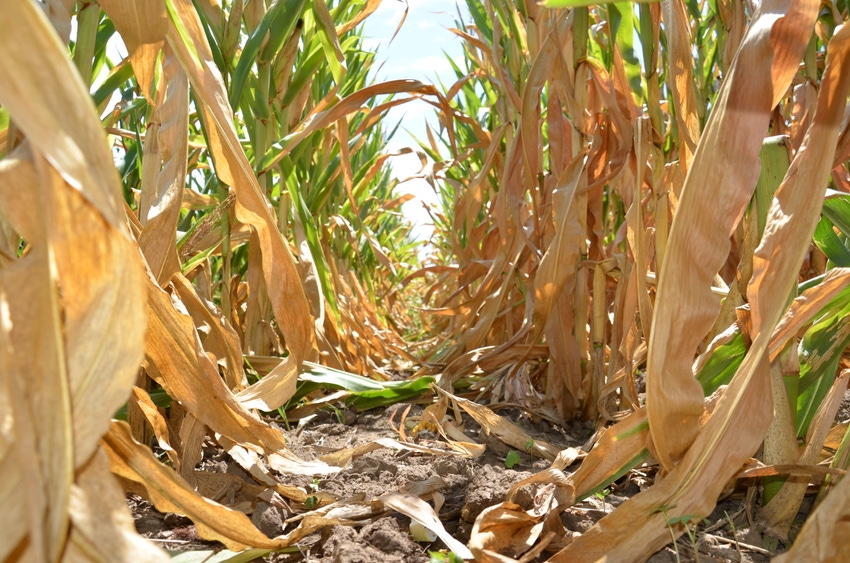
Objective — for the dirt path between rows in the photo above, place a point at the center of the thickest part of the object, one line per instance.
(466, 487)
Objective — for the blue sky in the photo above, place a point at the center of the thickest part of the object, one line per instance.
(418, 52)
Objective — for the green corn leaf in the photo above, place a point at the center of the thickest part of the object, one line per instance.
(365, 393)
(118, 76)
(820, 351)
(774, 165)
(281, 19)
(722, 365)
(836, 208)
(829, 243)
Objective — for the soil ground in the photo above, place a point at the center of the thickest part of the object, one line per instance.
(469, 486)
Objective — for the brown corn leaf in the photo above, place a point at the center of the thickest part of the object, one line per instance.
(681, 79)
(507, 528)
(142, 26)
(156, 421)
(164, 170)
(77, 319)
(96, 498)
(170, 493)
(736, 427)
(797, 209)
(176, 361)
(13, 522)
(503, 429)
(824, 535)
(804, 308)
(283, 282)
(38, 388)
(624, 444)
(791, 469)
(717, 190)
(420, 511)
(552, 275)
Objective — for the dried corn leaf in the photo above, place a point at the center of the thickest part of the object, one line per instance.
(142, 26)
(77, 317)
(736, 427)
(420, 511)
(176, 361)
(792, 218)
(804, 308)
(717, 191)
(509, 529)
(681, 78)
(170, 493)
(164, 171)
(503, 429)
(283, 282)
(96, 498)
(824, 535)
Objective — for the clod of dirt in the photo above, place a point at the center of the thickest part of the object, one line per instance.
(489, 486)
(268, 519)
(148, 523)
(451, 467)
(383, 540)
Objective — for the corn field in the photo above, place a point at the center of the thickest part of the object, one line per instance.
(643, 224)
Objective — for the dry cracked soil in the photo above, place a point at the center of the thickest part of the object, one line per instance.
(468, 486)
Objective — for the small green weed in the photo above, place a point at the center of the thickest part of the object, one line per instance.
(689, 522)
(512, 459)
(445, 557)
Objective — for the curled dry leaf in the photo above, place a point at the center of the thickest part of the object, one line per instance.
(420, 511)
(72, 306)
(510, 529)
(824, 535)
(502, 428)
(170, 493)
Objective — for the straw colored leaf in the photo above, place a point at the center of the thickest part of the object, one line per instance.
(420, 511)
(716, 192)
(503, 429)
(170, 493)
(824, 535)
(283, 282)
(509, 529)
(722, 444)
(176, 361)
(165, 153)
(142, 27)
(76, 320)
(96, 498)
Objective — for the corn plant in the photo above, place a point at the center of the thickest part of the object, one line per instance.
(635, 189)
(630, 194)
(242, 225)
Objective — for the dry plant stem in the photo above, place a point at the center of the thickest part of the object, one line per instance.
(741, 545)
